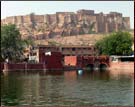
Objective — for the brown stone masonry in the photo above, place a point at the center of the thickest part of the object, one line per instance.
(68, 23)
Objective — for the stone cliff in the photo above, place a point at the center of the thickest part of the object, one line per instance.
(68, 24)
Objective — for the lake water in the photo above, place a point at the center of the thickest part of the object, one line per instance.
(70, 88)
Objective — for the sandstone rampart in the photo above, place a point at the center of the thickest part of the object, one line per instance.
(68, 23)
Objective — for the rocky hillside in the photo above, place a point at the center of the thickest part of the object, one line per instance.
(82, 40)
(72, 40)
(64, 24)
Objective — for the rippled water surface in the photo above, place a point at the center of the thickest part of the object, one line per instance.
(71, 88)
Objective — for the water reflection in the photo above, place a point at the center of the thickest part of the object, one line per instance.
(73, 88)
(11, 89)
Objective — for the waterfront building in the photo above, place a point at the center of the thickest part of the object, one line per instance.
(69, 53)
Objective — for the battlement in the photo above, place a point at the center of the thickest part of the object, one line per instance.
(70, 23)
(85, 12)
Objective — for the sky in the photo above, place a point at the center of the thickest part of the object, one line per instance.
(14, 8)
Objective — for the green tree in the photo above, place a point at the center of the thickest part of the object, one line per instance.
(91, 28)
(117, 43)
(12, 45)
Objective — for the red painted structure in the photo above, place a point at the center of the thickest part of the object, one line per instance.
(92, 61)
(26, 66)
(47, 62)
(23, 66)
(70, 60)
(53, 61)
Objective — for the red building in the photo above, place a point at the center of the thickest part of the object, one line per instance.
(67, 54)
(50, 56)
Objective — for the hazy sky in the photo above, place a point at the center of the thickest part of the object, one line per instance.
(12, 8)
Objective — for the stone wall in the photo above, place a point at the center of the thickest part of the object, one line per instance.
(68, 23)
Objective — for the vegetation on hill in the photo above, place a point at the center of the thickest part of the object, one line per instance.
(91, 31)
(118, 43)
(12, 45)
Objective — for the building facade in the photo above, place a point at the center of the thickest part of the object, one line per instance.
(68, 54)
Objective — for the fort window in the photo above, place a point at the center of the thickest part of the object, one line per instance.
(62, 49)
(73, 49)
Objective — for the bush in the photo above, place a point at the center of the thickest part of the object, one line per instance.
(117, 43)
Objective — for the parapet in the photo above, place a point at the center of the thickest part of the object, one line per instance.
(64, 13)
(115, 14)
(85, 12)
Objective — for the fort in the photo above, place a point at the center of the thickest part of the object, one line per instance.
(68, 23)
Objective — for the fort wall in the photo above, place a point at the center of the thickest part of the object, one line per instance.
(70, 23)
